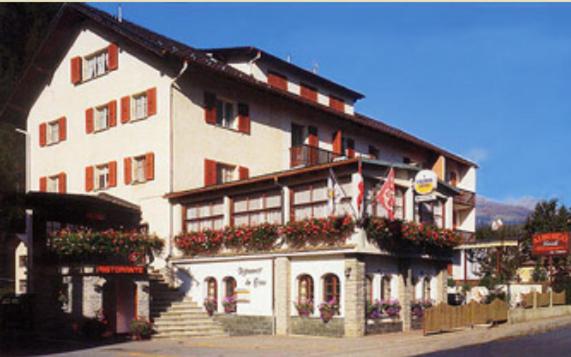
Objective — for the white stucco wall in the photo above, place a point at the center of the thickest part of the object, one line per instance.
(378, 267)
(21, 273)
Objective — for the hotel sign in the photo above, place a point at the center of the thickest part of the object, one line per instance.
(551, 244)
(425, 182)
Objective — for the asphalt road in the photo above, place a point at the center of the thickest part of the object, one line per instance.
(556, 343)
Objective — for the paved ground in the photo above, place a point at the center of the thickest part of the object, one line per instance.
(558, 342)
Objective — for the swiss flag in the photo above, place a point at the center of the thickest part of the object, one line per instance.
(386, 195)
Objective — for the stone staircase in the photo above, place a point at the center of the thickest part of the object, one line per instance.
(178, 316)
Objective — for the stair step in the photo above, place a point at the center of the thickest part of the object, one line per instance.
(183, 329)
(183, 322)
(186, 335)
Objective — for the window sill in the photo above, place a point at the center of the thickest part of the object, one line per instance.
(83, 81)
(235, 130)
(53, 143)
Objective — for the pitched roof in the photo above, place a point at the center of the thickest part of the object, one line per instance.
(168, 48)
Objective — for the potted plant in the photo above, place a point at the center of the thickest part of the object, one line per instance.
(141, 329)
(391, 308)
(328, 309)
(304, 308)
(229, 304)
(374, 309)
(211, 305)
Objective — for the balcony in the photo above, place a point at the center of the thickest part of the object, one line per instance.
(465, 199)
(305, 155)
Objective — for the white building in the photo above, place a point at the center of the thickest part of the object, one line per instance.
(185, 134)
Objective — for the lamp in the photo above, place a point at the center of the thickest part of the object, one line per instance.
(348, 272)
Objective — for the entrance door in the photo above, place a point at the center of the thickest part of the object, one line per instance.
(109, 303)
(126, 305)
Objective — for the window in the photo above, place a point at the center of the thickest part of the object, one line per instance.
(277, 80)
(386, 287)
(225, 173)
(349, 147)
(399, 203)
(257, 208)
(225, 113)
(53, 226)
(53, 184)
(310, 200)
(377, 210)
(23, 261)
(304, 289)
(308, 92)
(140, 106)
(101, 177)
(297, 138)
(331, 288)
(439, 213)
(426, 288)
(101, 118)
(204, 215)
(369, 287)
(95, 65)
(453, 178)
(230, 289)
(211, 289)
(431, 213)
(139, 169)
(373, 152)
(23, 286)
(53, 132)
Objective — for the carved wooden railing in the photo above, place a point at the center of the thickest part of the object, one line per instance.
(310, 155)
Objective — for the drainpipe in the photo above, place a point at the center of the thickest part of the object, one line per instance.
(251, 63)
(171, 157)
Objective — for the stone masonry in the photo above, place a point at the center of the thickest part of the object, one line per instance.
(282, 274)
(405, 292)
(354, 298)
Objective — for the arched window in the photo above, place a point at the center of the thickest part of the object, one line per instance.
(426, 288)
(414, 282)
(386, 287)
(331, 288)
(304, 289)
(229, 286)
(369, 286)
(453, 178)
(211, 289)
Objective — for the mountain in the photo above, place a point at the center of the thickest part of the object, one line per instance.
(487, 210)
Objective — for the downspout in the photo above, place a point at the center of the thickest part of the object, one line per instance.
(171, 158)
(251, 63)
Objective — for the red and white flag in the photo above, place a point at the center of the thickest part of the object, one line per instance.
(386, 195)
(361, 192)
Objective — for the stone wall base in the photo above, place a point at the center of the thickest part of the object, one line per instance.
(241, 325)
(377, 327)
(316, 327)
(416, 324)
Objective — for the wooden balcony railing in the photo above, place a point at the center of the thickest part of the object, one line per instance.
(310, 155)
(465, 198)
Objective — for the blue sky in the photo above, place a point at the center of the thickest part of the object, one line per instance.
(488, 81)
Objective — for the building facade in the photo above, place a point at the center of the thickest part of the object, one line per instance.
(215, 138)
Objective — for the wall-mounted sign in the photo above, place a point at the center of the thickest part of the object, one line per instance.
(425, 182)
(120, 269)
(425, 198)
(550, 244)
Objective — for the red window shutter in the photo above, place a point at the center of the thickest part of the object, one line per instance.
(113, 174)
(337, 104)
(43, 134)
(244, 118)
(308, 93)
(43, 184)
(209, 172)
(149, 166)
(112, 110)
(128, 171)
(337, 142)
(350, 148)
(112, 57)
(210, 108)
(125, 109)
(313, 139)
(244, 173)
(277, 80)
(76, 70)
(152, 101)
(62, 184)
(62, 129)
(89, 121)
(89, 178)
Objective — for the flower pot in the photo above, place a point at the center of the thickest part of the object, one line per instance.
(210, 312)
(326, 315)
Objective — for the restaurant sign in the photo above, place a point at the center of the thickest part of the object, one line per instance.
(551, 244)
(425, 182)
(120, 269)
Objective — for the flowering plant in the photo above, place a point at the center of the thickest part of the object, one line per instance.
(259, 237)
(210, 305)
(329, 230)
(304, 307)
(82, 243)
(391, 307)
(374, 309)
(417, 307)
(328, 309)
(206, 241)
(229, 304)
(141, 328)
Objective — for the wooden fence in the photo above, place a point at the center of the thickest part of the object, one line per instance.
(444, 317)
(542, 299)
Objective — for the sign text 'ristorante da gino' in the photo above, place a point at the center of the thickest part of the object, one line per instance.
(425, 182)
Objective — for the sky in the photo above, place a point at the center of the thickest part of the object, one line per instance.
(490, 82)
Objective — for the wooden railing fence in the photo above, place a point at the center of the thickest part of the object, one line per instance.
(542, 299)
(444, 317)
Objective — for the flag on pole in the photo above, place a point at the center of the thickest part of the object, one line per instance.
(360, 192)
(386, 195)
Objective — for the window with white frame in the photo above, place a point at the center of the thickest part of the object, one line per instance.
(204, 215)
(101, 177)
(53, 132)
(140, 108)
(310, 200)
(225, 173)
(139, 169)
(399, 203)
(439, 213)
(95, 65)
(257, 208)
(53, 184)
(374, 208)
(226, 113)
(101, 118)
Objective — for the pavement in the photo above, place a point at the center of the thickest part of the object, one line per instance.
(472, 342)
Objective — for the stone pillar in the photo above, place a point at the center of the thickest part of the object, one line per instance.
(282, 295)
(442, 286)
(405, 292)
(92, 295)
(143, 299)
(354, 304)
